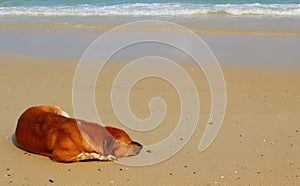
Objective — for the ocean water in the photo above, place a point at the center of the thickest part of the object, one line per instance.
(149, 7)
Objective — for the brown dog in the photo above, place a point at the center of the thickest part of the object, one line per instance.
(47, 130)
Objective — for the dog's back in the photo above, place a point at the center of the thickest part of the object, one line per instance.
(38, 125)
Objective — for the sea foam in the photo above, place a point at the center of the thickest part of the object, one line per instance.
(156, 9)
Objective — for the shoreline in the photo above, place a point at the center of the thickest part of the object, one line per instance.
(263, 24)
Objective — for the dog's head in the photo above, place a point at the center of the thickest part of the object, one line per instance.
(123, 146)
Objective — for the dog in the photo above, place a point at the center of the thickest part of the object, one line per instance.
(49, 131)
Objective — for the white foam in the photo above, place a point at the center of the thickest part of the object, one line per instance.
(156, 9)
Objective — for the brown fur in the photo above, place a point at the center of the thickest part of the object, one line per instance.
(43, 130)
(123, 145)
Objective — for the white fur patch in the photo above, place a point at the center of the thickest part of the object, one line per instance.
(94, 156)
(63, 113)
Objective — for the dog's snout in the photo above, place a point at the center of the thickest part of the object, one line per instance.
(137, 144)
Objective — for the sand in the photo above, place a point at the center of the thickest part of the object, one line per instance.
(258, 143)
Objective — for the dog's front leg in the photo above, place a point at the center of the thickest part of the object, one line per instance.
(95, 156)
(108, 158)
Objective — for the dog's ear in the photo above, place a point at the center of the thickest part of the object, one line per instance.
(94, 134)
(119, 134)
(108, 145)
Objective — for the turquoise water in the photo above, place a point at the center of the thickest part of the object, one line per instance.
(149, 7)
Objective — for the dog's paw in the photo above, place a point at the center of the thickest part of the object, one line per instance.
(111, 157)
(108, 158)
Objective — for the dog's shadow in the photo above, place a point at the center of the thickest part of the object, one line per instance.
(13, 139)
(14, 142)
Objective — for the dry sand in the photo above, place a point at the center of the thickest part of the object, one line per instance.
(257, 145)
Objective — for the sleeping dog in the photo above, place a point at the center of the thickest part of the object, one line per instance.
(49, 131)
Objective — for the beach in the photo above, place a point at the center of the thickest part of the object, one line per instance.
(258, 143)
